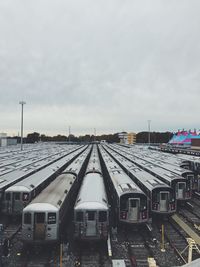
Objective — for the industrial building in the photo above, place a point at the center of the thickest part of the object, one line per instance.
(5, 141)
(127, 138)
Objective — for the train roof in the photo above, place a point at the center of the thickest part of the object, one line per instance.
(11, 178)
(40, 208)
(92, 194)
(76, 165)
(54, 194)
(122, 182)
(170, 163)
(167, 171)
(147, 179)
(94, 163)
(190, 158)
(34, 180)
(167, 166)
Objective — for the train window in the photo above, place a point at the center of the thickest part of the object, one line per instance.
(155, 196)
(123, 204)
(91, 215)
(25, 197)
(102, 216)
(17, 196)
(143, 203)
(163, 196)
(51, 218)
(79, 216)
(39, 217)
(27, 218)
(181, 185)
(133, 203)
(8, 196)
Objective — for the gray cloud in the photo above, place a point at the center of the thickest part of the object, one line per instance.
(106, 64)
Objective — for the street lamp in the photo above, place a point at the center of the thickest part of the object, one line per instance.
(149, 129)
(69, 134)
(22, 103)
(94, 134)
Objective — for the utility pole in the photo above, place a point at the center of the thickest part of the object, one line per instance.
(94, 134)
(22, 103)
(149, 129)
(69, 133)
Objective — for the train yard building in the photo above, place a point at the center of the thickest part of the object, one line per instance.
(127, 138)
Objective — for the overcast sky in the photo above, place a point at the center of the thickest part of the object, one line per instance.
(105, 64)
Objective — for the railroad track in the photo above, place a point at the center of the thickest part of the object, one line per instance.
(190, 216)
(177, 239)
(137, 246)
(195, 200)
(39, 256)
(93, 255)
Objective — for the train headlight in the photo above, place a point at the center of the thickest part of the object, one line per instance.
(48, 235)
(29, 236)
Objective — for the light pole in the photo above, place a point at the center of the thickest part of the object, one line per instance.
(69, 133)
(149, 129)
(22, 103)
(94, 134)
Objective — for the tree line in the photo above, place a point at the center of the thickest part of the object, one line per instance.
(141, 137)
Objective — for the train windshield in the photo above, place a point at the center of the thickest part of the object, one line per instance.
(123, 204)
(7, 196)
(181, 185)
(27, 218)
(91, 215)
(102, 216)
(17, 196)
(143, 203)
(155, 196)
(133, 203)
(164, 195)
(190, 177)
(79, 216)
(40, 217)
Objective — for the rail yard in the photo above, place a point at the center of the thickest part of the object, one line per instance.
(98, 204)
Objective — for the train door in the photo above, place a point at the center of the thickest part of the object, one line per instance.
(39, 226)
(17, 202)
(133, 208)
(7, 207)
(164, 198)
(181, 190)
(91, 229)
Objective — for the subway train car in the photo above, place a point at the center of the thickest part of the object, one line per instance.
(171, 164)
(91, 210)
(162, 196)
(34, 165)
(130, 204)
(20, 194)
(193, 164)
(44, 218)
(180, 185)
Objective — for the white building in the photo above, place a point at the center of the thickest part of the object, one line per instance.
(3, 139)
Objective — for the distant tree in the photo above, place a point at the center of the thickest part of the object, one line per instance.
(59, 137)
(33, 137)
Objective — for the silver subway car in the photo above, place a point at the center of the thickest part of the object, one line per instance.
(91, 210)
(129, 201)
